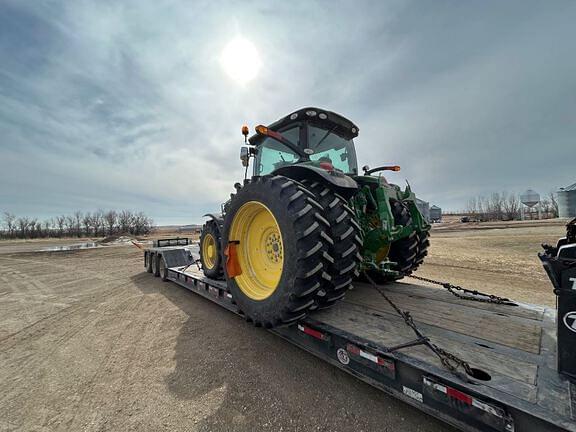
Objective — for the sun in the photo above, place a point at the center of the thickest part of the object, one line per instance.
(240, 60)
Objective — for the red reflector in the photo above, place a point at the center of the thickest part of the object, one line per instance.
(312, 332)
(353, 349)
(463, 397)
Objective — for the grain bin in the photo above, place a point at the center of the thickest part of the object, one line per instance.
(567, 201)
(435, 214)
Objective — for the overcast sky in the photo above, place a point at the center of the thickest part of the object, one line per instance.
(112, 104)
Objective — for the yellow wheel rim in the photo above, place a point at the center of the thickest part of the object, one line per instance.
(209, 251)
(260, 250)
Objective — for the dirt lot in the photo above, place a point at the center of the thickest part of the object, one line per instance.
(497, 258)
(88, 341)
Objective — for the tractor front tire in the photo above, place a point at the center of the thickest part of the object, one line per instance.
(277, 247)
(211, 250)
(423, 244)
(403, 252)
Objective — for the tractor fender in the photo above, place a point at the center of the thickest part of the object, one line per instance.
(218, 219)
(340, 183)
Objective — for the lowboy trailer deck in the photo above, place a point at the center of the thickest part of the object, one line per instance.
(517, 387)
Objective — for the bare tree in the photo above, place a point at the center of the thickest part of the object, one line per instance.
(60, 223)
(472, 206)
(70, 225)
(87, 222)
(553, 204)
(48, 224)
(78, 223)
(511, 207)
(9, 223)
(98, 222)
(125, 221)
(22, 223)
(110, 218)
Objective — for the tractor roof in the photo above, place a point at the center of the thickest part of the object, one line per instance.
(317, 116)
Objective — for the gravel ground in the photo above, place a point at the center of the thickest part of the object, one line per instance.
(89, 342)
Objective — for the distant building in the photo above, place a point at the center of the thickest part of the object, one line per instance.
(567, 201)
(424, 208)
(435, 214)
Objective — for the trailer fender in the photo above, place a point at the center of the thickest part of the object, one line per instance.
(341, 183)
(176, 257)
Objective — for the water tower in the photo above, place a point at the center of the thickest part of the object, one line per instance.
(530, 204)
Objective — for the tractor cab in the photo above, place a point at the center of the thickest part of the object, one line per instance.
(309, 136)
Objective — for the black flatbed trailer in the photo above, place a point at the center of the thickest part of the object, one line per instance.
(515, 347)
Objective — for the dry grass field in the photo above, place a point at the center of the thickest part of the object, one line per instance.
(90, 342)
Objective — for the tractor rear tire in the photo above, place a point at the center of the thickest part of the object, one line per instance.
(275, 233)
(403, 252)
(211, 250)
(347, 243)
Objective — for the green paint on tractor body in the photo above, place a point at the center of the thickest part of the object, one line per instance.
(317, 145)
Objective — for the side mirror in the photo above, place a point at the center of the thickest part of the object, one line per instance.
(244, 156)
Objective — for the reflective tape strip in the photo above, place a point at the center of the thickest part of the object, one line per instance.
(352, 349)
(463, 397)
(314, 333)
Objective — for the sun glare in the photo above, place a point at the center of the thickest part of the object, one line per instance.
(240, 60)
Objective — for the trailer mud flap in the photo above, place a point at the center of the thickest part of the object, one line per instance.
(471, 407)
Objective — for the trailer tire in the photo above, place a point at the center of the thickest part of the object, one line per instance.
(277, 234)
(147, 262)
(162, 268)
(347, 243)
(154, 262)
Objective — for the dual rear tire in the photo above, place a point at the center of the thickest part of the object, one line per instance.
(277, 238)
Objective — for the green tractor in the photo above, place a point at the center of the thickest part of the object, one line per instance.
(295, 235)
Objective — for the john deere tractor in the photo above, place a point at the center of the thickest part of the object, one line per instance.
(297, 233)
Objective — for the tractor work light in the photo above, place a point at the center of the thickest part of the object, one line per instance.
(263, 130)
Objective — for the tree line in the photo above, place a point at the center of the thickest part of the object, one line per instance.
(99, 223)
(507, 206)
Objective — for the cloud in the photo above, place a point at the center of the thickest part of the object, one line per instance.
(107, 104)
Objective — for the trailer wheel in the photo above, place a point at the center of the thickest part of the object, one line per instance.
(154, 263)
(347, 243)
(211, 250)
(162, 268)
(147, 262)
(276, 250)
